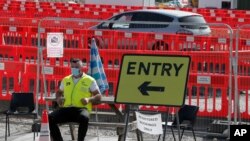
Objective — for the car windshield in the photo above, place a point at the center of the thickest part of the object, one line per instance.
(193, 19)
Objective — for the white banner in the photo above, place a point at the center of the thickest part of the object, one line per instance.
(150, 124)
(55, 44)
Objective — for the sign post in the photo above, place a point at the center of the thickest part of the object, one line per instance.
(152, 80)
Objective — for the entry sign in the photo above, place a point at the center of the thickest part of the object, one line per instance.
(153, 80)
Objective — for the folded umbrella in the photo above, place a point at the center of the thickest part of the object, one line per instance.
(96, 69)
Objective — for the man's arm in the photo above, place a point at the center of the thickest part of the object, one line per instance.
(59, 97)
(94, 99)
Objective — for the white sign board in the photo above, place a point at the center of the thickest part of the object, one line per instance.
(248, 42)
(204, 79)
(54, 45)
(48, 70)
(1, 66)
(150, 124)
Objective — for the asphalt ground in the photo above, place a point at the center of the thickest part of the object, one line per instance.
(20, 130)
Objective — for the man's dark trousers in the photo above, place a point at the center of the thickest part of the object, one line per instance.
(68, 114)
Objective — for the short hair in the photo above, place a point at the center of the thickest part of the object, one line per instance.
(76, 60)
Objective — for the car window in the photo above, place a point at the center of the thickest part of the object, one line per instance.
(150, 17)
(113, 25)
(106, 25)
(193, 19)
(123, 18)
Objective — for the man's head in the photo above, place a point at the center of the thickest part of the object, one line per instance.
(76, 65)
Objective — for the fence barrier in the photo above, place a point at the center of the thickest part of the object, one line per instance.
(213, 57)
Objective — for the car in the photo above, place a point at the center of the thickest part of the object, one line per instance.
(180, 20)
(161, 21)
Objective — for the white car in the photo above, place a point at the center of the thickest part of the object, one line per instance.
(161, 21)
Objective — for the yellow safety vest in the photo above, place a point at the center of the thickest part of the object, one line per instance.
(73, 93)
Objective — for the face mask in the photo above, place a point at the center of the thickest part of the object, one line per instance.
(75, 71)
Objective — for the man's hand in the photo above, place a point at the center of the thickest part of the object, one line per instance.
(95, 99)
(85, 101)
(59, 98)
(60, 101)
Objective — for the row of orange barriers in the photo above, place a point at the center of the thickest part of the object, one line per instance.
(84, 14)
(38, 6)
(211, 95)
(18, 67)
(211, 62)
(41, 13)
(49, 9)
(61, 5)
(80, 38)
(77, 36)
(21, 75)
(14, 24)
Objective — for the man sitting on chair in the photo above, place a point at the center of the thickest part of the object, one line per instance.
(75, 96)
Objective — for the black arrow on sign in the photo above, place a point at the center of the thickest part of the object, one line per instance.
(144, 88)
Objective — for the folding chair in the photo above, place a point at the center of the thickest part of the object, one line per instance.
(187, 118)
(21, 104)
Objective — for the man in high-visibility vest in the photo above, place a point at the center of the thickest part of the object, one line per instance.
(75, 96)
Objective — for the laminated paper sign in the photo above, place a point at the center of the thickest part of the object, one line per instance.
(55, 44)
(150, 124)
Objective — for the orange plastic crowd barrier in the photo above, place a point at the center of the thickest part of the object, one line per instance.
(93, 11)
(8, 53)
(13, 35)
(10, 78)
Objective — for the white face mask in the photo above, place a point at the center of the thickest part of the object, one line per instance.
(75, 71)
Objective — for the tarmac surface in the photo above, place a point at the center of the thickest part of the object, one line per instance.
(20, 130)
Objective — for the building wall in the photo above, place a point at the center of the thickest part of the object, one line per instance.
(211, 3)
(244, 4)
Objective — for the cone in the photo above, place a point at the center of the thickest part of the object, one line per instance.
(44, 132)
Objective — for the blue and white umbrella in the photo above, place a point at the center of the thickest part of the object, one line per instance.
(96, 69)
